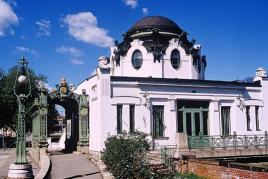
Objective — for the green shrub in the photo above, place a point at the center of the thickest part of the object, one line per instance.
(125, 156)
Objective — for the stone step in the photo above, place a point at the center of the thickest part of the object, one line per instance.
(155, 162)
(153, 155)
(153, 158)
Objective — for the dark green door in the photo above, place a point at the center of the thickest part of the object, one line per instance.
(194, 120)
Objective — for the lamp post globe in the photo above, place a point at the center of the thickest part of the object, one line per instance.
(22, 79)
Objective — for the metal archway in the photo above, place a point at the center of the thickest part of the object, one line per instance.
(65, 97)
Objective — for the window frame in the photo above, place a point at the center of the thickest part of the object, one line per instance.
(158, 126)
(175, 66)
(257, 118)
(119, 120)
(131, 118)
(248, 118)
(137, 67)
(226, 123)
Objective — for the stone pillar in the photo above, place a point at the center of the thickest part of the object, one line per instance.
(214, 118)
(171, 128)
(181, 141)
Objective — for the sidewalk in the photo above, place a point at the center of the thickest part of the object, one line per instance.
(8, 157)
(73, 166)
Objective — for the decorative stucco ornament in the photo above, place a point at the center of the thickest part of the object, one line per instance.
(104, 62)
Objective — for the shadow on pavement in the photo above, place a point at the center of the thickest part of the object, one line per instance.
(77, 176)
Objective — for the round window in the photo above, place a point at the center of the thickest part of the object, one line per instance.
(137, 59)
(175, 59)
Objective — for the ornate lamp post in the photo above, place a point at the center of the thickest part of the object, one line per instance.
(22, 89)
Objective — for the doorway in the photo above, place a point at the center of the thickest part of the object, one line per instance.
(192, 117)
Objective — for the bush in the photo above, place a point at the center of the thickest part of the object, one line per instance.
(125, 156)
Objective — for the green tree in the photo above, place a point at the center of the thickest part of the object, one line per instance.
(52, 118)
(8, 100)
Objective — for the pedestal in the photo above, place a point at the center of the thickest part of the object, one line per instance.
(83, 149)
(19, 171)
(182, 141)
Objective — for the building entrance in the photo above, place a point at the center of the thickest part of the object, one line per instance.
(76, 115)
(192, 117)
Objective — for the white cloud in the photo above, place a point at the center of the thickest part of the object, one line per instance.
(83, 26)
(70, 50)
(11, 32)
(43, 27)
(132, 3)
(41, 84)
(77, 62)
(12, 2)
(145, 11)
(7, 18)
(21, 49)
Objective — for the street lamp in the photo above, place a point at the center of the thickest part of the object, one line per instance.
(22, 89)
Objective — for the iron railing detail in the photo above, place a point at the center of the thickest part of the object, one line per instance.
(167, 156)
(230, 141)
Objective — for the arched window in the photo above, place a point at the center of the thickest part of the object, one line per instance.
(175, 59)
(136, 59)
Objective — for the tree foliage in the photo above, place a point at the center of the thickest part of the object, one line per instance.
(8, 100)
(125, 156)
(52, 116)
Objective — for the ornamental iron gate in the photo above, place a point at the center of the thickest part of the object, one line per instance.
(76, 108)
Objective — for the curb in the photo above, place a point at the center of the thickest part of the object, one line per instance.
(103, 169)
(44, 163)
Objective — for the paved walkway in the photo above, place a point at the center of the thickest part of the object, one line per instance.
(8, 157)
(67, 166)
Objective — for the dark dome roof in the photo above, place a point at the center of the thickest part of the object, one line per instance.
(151, 22)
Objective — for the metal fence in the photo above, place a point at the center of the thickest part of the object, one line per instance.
(230, 141)
(167, 155)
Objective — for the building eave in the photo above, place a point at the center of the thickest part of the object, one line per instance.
(86, 79)
(185, 82)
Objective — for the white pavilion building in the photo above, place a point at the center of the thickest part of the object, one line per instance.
(154, 82)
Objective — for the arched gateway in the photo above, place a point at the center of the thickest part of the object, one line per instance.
(76, 111)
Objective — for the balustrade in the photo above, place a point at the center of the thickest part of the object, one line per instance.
(229, 141)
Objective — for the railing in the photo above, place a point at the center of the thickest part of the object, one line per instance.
(167, 156)
(230, 141)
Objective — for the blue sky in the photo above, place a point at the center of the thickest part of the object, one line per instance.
(64, 38)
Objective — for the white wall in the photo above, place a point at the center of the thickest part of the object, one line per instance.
(162, 95)
(83, 85)
(264, 108)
